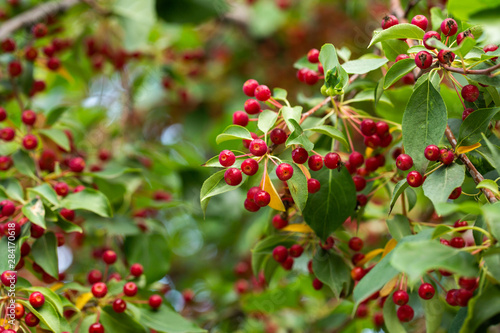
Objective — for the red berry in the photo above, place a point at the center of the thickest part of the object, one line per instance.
(296, 250)
(258, 147)
(49, 51)
(31, 321)
(7, 208)
(315, 162)
(68, 214)
(130, 289)
(404, 162)
(461, 36)
(136, 270)
(446, 57)
(382, 128)
(252, 106)
(5, 163)
(96, 328)
(39, 30)
(36, 231)
(30, 54)
(386, 140)
(262, 198)
(251, 192)
(262, 93)
(99, 289)
(25, 249)
(362, 200)
(119, 305)
(53, 64)
(233, 176)
(432, 153)
(301, 74)
(467, 112)
(241, 286)
(94, 276)
(401, 57)
(15, 68)
(3, 114)
(355, 243)
(313, 185)
(450, 297)
(317, 284)
(356, 159)
(405, 313)
(280, 253)
(400, 297)
(414, 179)
(109, 257)
(455, 193)
(250, 205)
(359, 183)
(408, 79)
(226, 158)
(457, 242)
(19, 310)
(36, 299)
(328, 244)
(278, 136)
(389, 21)
(240, 118)
(467, 283)
(249, 87)
(8, 45)
(372, 141)
(8, 278)
(428, 35)
(246, 143)
(378, 319)
(449, 27)
(300, 155)
(249, 167)
(61, 189)
(470, 93)
(426, 291)
(76, 164)
(313, 56)
(357, 257)
(362, 311)
(30, 142)
(372, 164)
(284, 171)
(491, 48)
(368, 127)
(446, 156)
(420, 21)
(311, 77)
(7, 134)
(288, 263)
(332, 160)
(278, 222)
(462, 296)
(423, 59)
(357, 273)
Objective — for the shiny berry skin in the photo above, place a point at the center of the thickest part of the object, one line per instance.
(313, 56)
(250, 205)
(288, 263)
(432, 152)
(301, 74)
(61, 189)
(251, 192)
(109, 257)
(382, 128)
(371, 164)
(252, 106)
(7, 134)
(278, 222)
(233, 177)
(249, 87)
(68, 214)
(446, 156)
(96, 328)
(491, 48)
(428, 35)
(355, 244)
(262, 93)
(262, 198)
(467, 112)
(249, 167)
(446, 57)
(136, 270)
(455, 193)
(470, 93)
(36, 299)
(462, 296)
(405, 313)
(401, 57)
(332, 160)
(36, 231)
(130, 289)
(300, 155)
(368, 127)
(450, 297)
(357, 257)
(357, 273)
(8, 278)
(317, 284)
(94, 276)
(311, 77)
(400, 297)
(258, 147)
(76, 164)
(449, 27)
(119, 305)
(15, 68)
(467, 283)
(296, 250)
(389, 21)
(457, 242)
(240, 118)
(284, 171)
(31, 321)
(426, 291)
(414, 179)
(313, 185)
(461, 36)
(386, 140)
(226, 158)
(404, 162)
(359, 183)
(30, 142)
(99, 289)
(423, 60)
(420, 21)
(356, 159)
(280, 253)
(19, 310)
(372, 141)
(315, 162)
(278, 136)
(28, 117)
(7, 208)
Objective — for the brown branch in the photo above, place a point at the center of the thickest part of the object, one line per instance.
(485, 71)
(34, 15)
(470, 167)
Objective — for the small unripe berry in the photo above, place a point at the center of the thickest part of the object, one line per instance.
(226, 158)
(470, 93)
(284, 171)
(233, 176)
(414, 179)
(300, 155)
(313, 185)
(262, 93)
(315, 162)
(389, 21)
(405, 313)
(432, 153)
(404, 162)
(258, 147)
(249, 167)
(449, 27)
(278, 136)
(280, 253)
(313, 56)
(426, 291)
(249, 87)
(240, 118)
(423, 60)
(420, 21)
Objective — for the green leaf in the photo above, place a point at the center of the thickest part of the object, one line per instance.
(394, 47)
(474, 125)
(24, 163)
(50, 296)
(467, 44)
(190, 11)
(439, 184)
(344, 53)
(35, 212)
(69, 227)
(280, 94)
(331, 269)
(44, 252)
(424, 123)
(437, 17)
(331, 132)
(57, 136)
(458, 321)
(90, 200)
(398, 70)
(391, 320)
(399, 227)
(434, 310)
(262, 251)
(136, 20)
(213, 186)
(165, 319)
(152, 251)
(370, 95)
(379, 92)
(8, 148)
(234, 132)
(492, 263)
(490, 185)
(399, 31)
(400, 187)
(113, 171)
(267, 119)
(12, 188)
(119, 322)
(54, 114)
(45, 191)
(492, 216)
(363, 66)
(47, 314)
(495, 154)
(432, 255)
(298, 186)
(328, 208)
(297, 137)
(481, 307)
(291, 113)
(5, 265)
(328, 57)
(275, 299)
(304, 63)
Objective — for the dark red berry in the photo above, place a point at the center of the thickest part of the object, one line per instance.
(372, 141)
(378, 319)
(96, 328)
(400, 297)
(53, 64)
(136, 269)
(313, 56)
(449, 27)
(279, 222)
(240, 118)
(258, 147)
(300, 155)
(119, 305)
(15, 68)
(313, 185)
(467, 112)
(389, 21)
(68, 214)
(76, 164)
(262, 198)
(7, 208)
(359, 183)
(446, 57)
(249, 87)
(420, 21)
(296, 250)
(455, 193)
(311, 77)
(470, 93)
(130, 289)
(469, 283)
(249, 167)
(462, 296)
(226, 158)
(252, 106)
(61, 189)
(315, 162)
(423, 59)
(301, 74)
(404, 162)
(382, 128)
(355, 243)
(491, 48)
(432, 153)
(280, 253)
(362, 200)
(426, 291)
(446, 156)
(284, 171)
(278, 136)
(36, 299)
(7, 134)
(288, 263)
(356, 159)
(461, 36)
(3, 114)
(414, 179)
(332, 160)
(30, 54)
(357, 257)
(250, 205)
(405, 313)
(450, 297)
(457, 242)
(233, 176)
(262, 93)
(94, 276)
(99, 289)
(317, 284)
(8, 45)
(39, 30)
(428, 35)
(31, 321)
(362, 311)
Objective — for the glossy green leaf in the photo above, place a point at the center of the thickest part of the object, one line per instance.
(400, 187)
(46, 192)
(50, 296)
(119, 322)
(289, 113)
(394, 47)
(279, 94)
(492, 263)
(331, 269)
(398, 70)
(363, 66)
(263, 250)
(12, 188)
(495, 154)
(490, 185)
(464, 47)
(267, 119)
(328, 57)
(57, 136)
(15, 249)
(434, 310)
(391, 320)
(114, 171)
(234, 132)
(481, 307)
(370, 95)
(474, 125)
(35, 212)
(492, 216)
(328, 208)
(424, 123)
(399, 31)
(331, 132)
(54, 114)
(24, 163)
(213, 186)
(167, 320)
(47, 314)
(399, 227)
(298, 186)
(136, 20)
(190, 11)
(44, 251)
(298, 137)
(90, 200)
(439, 184)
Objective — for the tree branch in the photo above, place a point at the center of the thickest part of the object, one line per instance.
(470, 167)
(485, 71)
(34, 15)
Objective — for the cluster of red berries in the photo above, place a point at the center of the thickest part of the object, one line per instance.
(100, 52)
(310, 76)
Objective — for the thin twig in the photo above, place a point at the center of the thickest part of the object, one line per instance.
(485, 71)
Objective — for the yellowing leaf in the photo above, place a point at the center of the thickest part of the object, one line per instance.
(368, 152)
(276, 202)
(389, 286)
(298, 227)
(56, 286)
(304, 170)
(82, 300)
(391, 244)
(65, 74)
(466, 149)
(370, 255)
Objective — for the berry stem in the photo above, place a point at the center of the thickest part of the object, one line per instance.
(458, 94)
(314, 109)
(403, 204)
(428, 173)
(275, 103)
(437, 282)
(348, 134)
